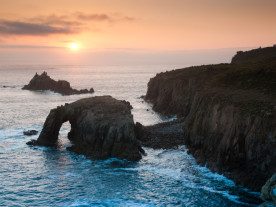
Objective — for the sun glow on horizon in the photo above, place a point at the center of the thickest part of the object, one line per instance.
(74, 46)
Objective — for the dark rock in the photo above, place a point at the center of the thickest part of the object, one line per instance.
(101, 127)
(30, 132)
(44, 82)
(167, 135)
(268, 192)
(255, 56)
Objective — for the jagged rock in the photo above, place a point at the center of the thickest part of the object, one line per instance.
(268, 192)
(44, 82)
(30, 132)
(101, 127)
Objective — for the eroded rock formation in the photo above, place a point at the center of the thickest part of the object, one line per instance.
(101, 127)
(44, 82)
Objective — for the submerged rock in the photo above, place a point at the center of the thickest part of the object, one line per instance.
(101, 127)
(30, 132)
(44, 82)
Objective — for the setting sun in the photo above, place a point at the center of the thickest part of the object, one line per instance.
(74, 46)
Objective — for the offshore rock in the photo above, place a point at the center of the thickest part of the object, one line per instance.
(30, 132)
(101, 127)
(44, 82)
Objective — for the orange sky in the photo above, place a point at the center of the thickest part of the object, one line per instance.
(141, 25)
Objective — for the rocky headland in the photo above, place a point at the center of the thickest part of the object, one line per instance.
(101, 127)
(45, 82)
(229, 115)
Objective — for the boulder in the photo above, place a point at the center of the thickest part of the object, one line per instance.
(101, 127)
(44, 82)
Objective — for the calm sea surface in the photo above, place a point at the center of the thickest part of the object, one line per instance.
(44, 176)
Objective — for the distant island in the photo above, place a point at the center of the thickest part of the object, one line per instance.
(44, 82)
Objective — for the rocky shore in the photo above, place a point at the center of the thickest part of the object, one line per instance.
(229, 114)
(44, 82)
(101, 127)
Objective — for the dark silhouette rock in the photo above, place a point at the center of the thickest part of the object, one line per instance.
(229, 115)
(30, 132)
(44, 82)
(101, 127)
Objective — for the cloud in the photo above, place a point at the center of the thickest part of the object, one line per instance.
(58, 24)
(28, 46)
(26, 28)
(94, 17)
(114, 17)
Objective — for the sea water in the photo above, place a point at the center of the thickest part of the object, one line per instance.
(45, 176)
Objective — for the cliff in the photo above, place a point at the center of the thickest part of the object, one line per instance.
(44, 82)
(229, 115)
(101, 127)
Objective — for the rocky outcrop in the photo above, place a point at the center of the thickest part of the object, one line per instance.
(229, 115)
(101, 127)
(255, 56)
(268, 193)
(44, 82)
(167, 135)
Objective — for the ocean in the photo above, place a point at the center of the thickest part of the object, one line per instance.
(45, 176)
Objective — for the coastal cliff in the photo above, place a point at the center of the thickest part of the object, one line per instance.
(229, 114)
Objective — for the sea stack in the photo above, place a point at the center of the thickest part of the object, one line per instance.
(101, 127)
(45, 82)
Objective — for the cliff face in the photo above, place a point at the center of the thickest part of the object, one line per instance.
(229, 115)
(101, 127)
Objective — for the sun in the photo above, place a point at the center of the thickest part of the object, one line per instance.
(74, 46)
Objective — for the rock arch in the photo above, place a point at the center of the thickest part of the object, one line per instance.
(101, 127)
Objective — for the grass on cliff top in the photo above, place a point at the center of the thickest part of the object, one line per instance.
(251, 87)
(261, 77)
(257, 76)
(255, 55)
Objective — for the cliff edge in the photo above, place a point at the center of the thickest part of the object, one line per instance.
(229, 114)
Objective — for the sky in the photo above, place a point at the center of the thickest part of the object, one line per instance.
(33, 31)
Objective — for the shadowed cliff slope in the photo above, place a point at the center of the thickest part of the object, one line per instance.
(229, 114)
